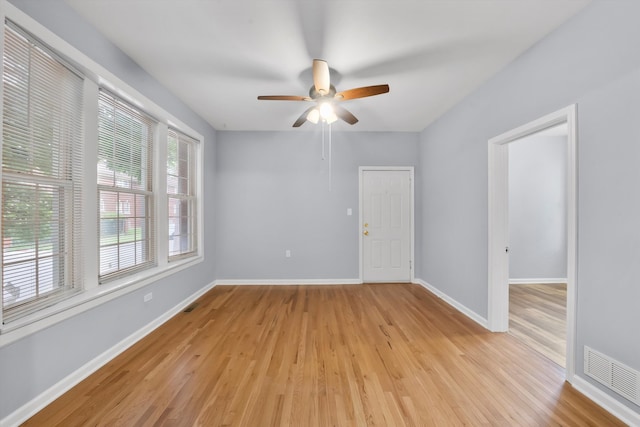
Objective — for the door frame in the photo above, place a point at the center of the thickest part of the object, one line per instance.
(361, 171)
(498, 307)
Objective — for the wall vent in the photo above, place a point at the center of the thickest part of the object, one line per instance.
(190, 308)
(613, 374)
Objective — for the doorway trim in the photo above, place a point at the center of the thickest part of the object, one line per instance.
(361, 171)
(498, 307)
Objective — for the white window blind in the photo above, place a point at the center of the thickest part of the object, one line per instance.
(41, 176)
(181, 195)
(125, 147)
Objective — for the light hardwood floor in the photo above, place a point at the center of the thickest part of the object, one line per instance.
(538, 317)
(353, 355)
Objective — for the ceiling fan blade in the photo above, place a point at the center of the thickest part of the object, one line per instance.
(284, 98)
(321, 76)
(303, 117)
(344, 114)
(361, 92)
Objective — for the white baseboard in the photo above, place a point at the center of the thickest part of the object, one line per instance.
(455, 304)
(544, 281)
(289, 282)
(610, 404)
(32, 407)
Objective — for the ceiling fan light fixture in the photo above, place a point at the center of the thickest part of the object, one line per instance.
(313, 116)
(326, 110)
(332, 118)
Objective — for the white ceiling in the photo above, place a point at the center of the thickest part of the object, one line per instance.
(219, 55)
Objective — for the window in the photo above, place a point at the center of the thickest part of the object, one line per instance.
(181, 194)
(126, 231)
(69, 239)
(41, 176)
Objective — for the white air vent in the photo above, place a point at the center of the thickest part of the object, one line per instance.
(618, 377)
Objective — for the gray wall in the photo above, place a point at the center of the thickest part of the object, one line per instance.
(538, 208)
(31, 365)
(593, 61)
(273, 194)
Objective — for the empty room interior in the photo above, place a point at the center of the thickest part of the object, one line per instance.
(537, 241)
(310, 213)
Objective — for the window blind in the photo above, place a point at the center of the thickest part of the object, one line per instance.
(181, 195)
(41, 176)
(125, 160)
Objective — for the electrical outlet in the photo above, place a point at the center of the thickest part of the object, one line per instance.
(349, 211)
(148, 297)
(287, 253)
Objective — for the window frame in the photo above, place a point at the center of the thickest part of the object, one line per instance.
(95, 294)
(191, 196)
(148, 191)
(63, 181)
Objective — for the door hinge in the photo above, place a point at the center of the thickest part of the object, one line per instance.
(410, 264)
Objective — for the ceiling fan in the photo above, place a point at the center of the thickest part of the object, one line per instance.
(326, 99)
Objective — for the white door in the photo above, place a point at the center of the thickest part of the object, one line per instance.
(386, 225)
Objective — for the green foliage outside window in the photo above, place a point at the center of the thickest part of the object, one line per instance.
(30, 145)
(122, 142)
(22, 205)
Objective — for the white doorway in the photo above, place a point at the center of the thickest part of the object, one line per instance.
(386, 224)
(498, 313)
(537, 241)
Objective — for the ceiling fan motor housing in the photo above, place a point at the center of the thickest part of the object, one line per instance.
(314, 94)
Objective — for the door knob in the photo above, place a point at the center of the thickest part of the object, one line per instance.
(365, 232)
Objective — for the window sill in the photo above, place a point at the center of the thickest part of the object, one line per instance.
(88, 299)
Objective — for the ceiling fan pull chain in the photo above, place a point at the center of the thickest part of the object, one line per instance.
(330, 157)
(323, 141)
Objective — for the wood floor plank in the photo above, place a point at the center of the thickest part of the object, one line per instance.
(538, 318)
(353, 355)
